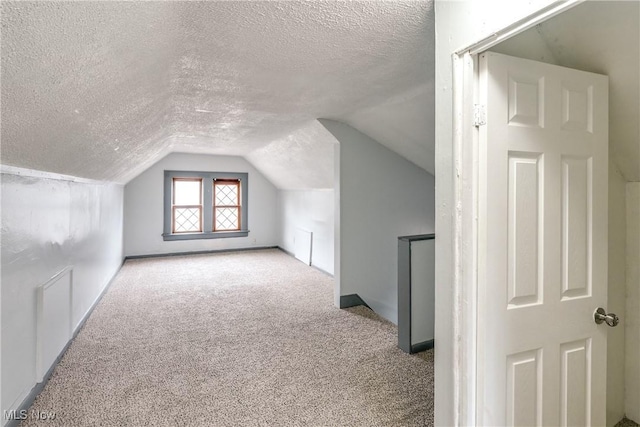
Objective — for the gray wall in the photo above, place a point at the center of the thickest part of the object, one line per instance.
(144, 198)
(310, 210)
(631, 321)
(48, 225)
(382, 196)
(616, 294)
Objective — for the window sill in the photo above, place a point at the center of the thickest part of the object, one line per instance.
(205, 235)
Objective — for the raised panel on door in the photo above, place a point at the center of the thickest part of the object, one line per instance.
(524, 388)
(524, 230)
(577, 107)
(526, 100)
(576, 227)
(575, 383)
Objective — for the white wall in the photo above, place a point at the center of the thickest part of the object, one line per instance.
(47, 225)
(144, 212)
(382, 196)
(310, 210)
(632, 315)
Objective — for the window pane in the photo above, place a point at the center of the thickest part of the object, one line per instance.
(226, 194)
(186, 219)
(186, 192)
(227, 219)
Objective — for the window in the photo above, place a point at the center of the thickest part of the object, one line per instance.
(205, 205)
(226, 205)
(187, 205)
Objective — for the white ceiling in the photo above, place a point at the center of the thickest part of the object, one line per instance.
(601, 37)
(102, 90)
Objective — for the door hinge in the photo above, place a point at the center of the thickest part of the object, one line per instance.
(479, 115)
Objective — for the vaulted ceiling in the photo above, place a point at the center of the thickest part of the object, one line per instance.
(102, 90)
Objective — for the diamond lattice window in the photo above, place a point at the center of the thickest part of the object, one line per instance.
(226, 205)
(187, 205)
(186, 220)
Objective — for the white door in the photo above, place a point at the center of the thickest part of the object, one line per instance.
(543, 244)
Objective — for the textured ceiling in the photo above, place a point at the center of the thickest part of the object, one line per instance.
(601, 37)
(104, 89)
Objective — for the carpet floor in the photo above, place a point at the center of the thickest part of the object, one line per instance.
(626, 422)
(228, 339)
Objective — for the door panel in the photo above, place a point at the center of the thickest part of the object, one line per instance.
(543, 244)
(575, 383)
(524, 388)
(524, 260)
(576, 227)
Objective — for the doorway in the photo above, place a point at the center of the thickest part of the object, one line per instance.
(544, 42)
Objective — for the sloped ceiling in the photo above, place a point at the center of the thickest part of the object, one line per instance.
(102, 90)
(405, 123)
(601, 37)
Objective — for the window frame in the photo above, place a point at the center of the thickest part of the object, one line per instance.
(200, 207)
(238, 206)
(207, 213)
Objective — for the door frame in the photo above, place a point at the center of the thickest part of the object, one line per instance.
(464, 393)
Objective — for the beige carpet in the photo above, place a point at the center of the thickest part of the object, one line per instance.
(245, 338)
(626, 422)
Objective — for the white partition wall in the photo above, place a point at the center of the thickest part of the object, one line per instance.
(311, 210)
(381, 196)
(422, 291)
(303, 239)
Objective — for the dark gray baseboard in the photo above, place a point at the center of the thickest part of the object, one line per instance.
(312, 266)
(286, 251)
(212, 251)
(37, 389)
(352, 300)
(421, 346)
